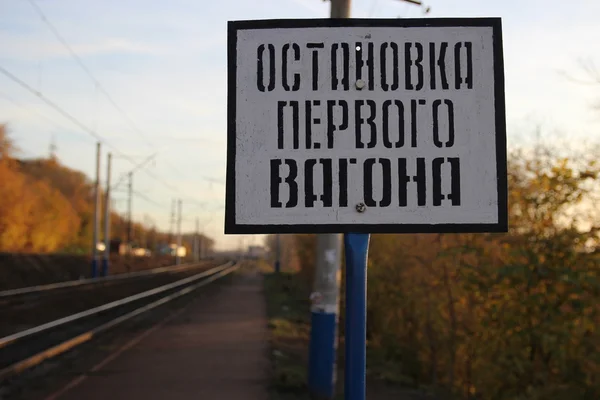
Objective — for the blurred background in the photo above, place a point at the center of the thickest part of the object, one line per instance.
(147, 79)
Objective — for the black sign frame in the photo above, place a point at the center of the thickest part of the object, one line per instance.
(232, 227)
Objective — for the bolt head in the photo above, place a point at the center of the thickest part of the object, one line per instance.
(361, 207)
(360, 84)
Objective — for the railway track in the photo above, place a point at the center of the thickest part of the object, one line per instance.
(24, 308)
(8, 297)
(30, 347)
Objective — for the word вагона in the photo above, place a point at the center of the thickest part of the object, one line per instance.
(380, 69)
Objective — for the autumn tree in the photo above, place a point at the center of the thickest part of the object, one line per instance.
(74, 187)
(496, 316)
(47, 207)
(33, 215)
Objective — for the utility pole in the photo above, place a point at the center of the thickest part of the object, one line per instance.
(154, 239)
(106, 260)
(340, 8)
(52, 149)
(144, 239)
(96, 214)
(325, 296)
(202, 244)
(178, 258)
(129, 216)
(203, 254)
(356, 251)
(196, 248)
(172, 221)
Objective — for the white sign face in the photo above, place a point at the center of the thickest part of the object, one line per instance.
(366, 126)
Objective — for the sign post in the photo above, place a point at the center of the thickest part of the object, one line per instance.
(362, 126)
(357, 247)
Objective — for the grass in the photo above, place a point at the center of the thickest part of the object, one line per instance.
(289, 326)
(288, 311)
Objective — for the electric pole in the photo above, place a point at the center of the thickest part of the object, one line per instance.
(172, 220)
(178, 258)
(325, 296)
(52, 149)
(129, 175)
(340, 9)
(129, 216)
(106, 261)
(96, 214)
(196, 249)
(144, 238)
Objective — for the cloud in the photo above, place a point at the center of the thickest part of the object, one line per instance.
(118, 46)
(29, 47)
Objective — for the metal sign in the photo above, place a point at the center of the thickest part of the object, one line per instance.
(366, 126)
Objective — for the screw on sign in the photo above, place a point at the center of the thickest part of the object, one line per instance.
(362, 126)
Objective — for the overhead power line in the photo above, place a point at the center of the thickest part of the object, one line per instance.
(55, 107)
(99, 86)
(137, 167)
(38, 114)
(148, 199)
(89, 73)
(80, 124)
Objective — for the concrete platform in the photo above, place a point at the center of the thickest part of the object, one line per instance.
(208, 351)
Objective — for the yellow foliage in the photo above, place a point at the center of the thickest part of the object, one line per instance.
(34, 216)
(504, 317)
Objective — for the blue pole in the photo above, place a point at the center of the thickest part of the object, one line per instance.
(356, 247)
(104, 269)
(321, 356)
(94, 267)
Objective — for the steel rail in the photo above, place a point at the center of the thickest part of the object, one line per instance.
(89, 281)
(21, 366)
(108, 306)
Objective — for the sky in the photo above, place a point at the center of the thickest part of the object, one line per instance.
(158, 85)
